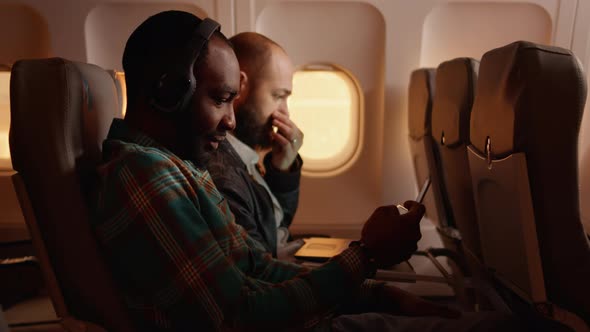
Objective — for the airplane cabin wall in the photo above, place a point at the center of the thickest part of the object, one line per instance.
(72, 23)
(105, 42)
(417, 34)
(354, 38)
(379, 42)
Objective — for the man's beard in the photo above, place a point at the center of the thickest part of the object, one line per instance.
(195, 147)
(201, 156)
(251, 129)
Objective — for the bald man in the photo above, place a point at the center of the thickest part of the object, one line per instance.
(258, 169)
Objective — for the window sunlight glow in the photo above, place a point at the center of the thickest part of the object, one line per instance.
(4, 120)
(119, 78)
(325, 105)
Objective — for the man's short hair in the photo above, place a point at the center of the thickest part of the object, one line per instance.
(253, 51)
(155, 45)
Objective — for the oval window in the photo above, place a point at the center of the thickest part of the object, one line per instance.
(326, 104)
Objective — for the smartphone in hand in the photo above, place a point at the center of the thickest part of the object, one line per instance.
(420, 197)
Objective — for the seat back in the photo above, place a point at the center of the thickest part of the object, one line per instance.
(60, 114)
(420, 94)
(523, 158)
(451, 111)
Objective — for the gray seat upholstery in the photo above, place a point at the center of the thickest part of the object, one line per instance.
(451, 112)
(60, 114)
(421, 93)
(523, 158)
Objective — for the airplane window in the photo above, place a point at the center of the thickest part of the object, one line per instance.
(326, 105)
(5, 163)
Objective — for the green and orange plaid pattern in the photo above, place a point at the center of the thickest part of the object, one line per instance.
(182, 262)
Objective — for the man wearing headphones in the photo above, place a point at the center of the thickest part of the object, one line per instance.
(168, 235)
(256, 168)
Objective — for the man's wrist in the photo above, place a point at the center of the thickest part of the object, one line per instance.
(369, 261)
(286, 169)
(282, 182)
(294, 166)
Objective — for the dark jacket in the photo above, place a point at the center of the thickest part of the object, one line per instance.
(249, 201)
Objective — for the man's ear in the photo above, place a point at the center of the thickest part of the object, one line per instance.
(244, 83)
(244, 86)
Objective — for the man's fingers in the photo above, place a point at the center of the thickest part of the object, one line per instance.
(282, 117)
(410, 204)
(284, 129)
(280, 139)
(415, 210)
(287, 122)
(389, 209)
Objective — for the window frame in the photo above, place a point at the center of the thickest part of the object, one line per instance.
(6, 164)
(313, 168)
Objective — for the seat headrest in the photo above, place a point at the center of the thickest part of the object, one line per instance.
(504, 103)
(420, 102)
(456, 81)
(77, 87)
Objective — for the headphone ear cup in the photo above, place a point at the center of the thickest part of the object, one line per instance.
(188, 95)
(174, 91)
(171, 93)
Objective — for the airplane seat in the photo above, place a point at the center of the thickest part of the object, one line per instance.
(60, 114)
(451, 111)
(424, 158)
(426, 165)
(523, 158)
(420, 94)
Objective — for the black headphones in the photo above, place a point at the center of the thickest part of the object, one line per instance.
(175, 88)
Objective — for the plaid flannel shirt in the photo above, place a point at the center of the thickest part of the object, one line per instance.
(181, 261)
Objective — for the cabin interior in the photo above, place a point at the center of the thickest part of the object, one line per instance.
(366, 95)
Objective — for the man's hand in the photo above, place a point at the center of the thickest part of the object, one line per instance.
(286, 141)
(399, 302)
(390, 238)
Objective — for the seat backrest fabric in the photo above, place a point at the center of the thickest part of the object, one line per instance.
(60, 114)
(528, 107)
(420, 96)
(451, 112)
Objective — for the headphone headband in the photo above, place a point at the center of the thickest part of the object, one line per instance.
(180, 82)
(203, 33)
(206, 29)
